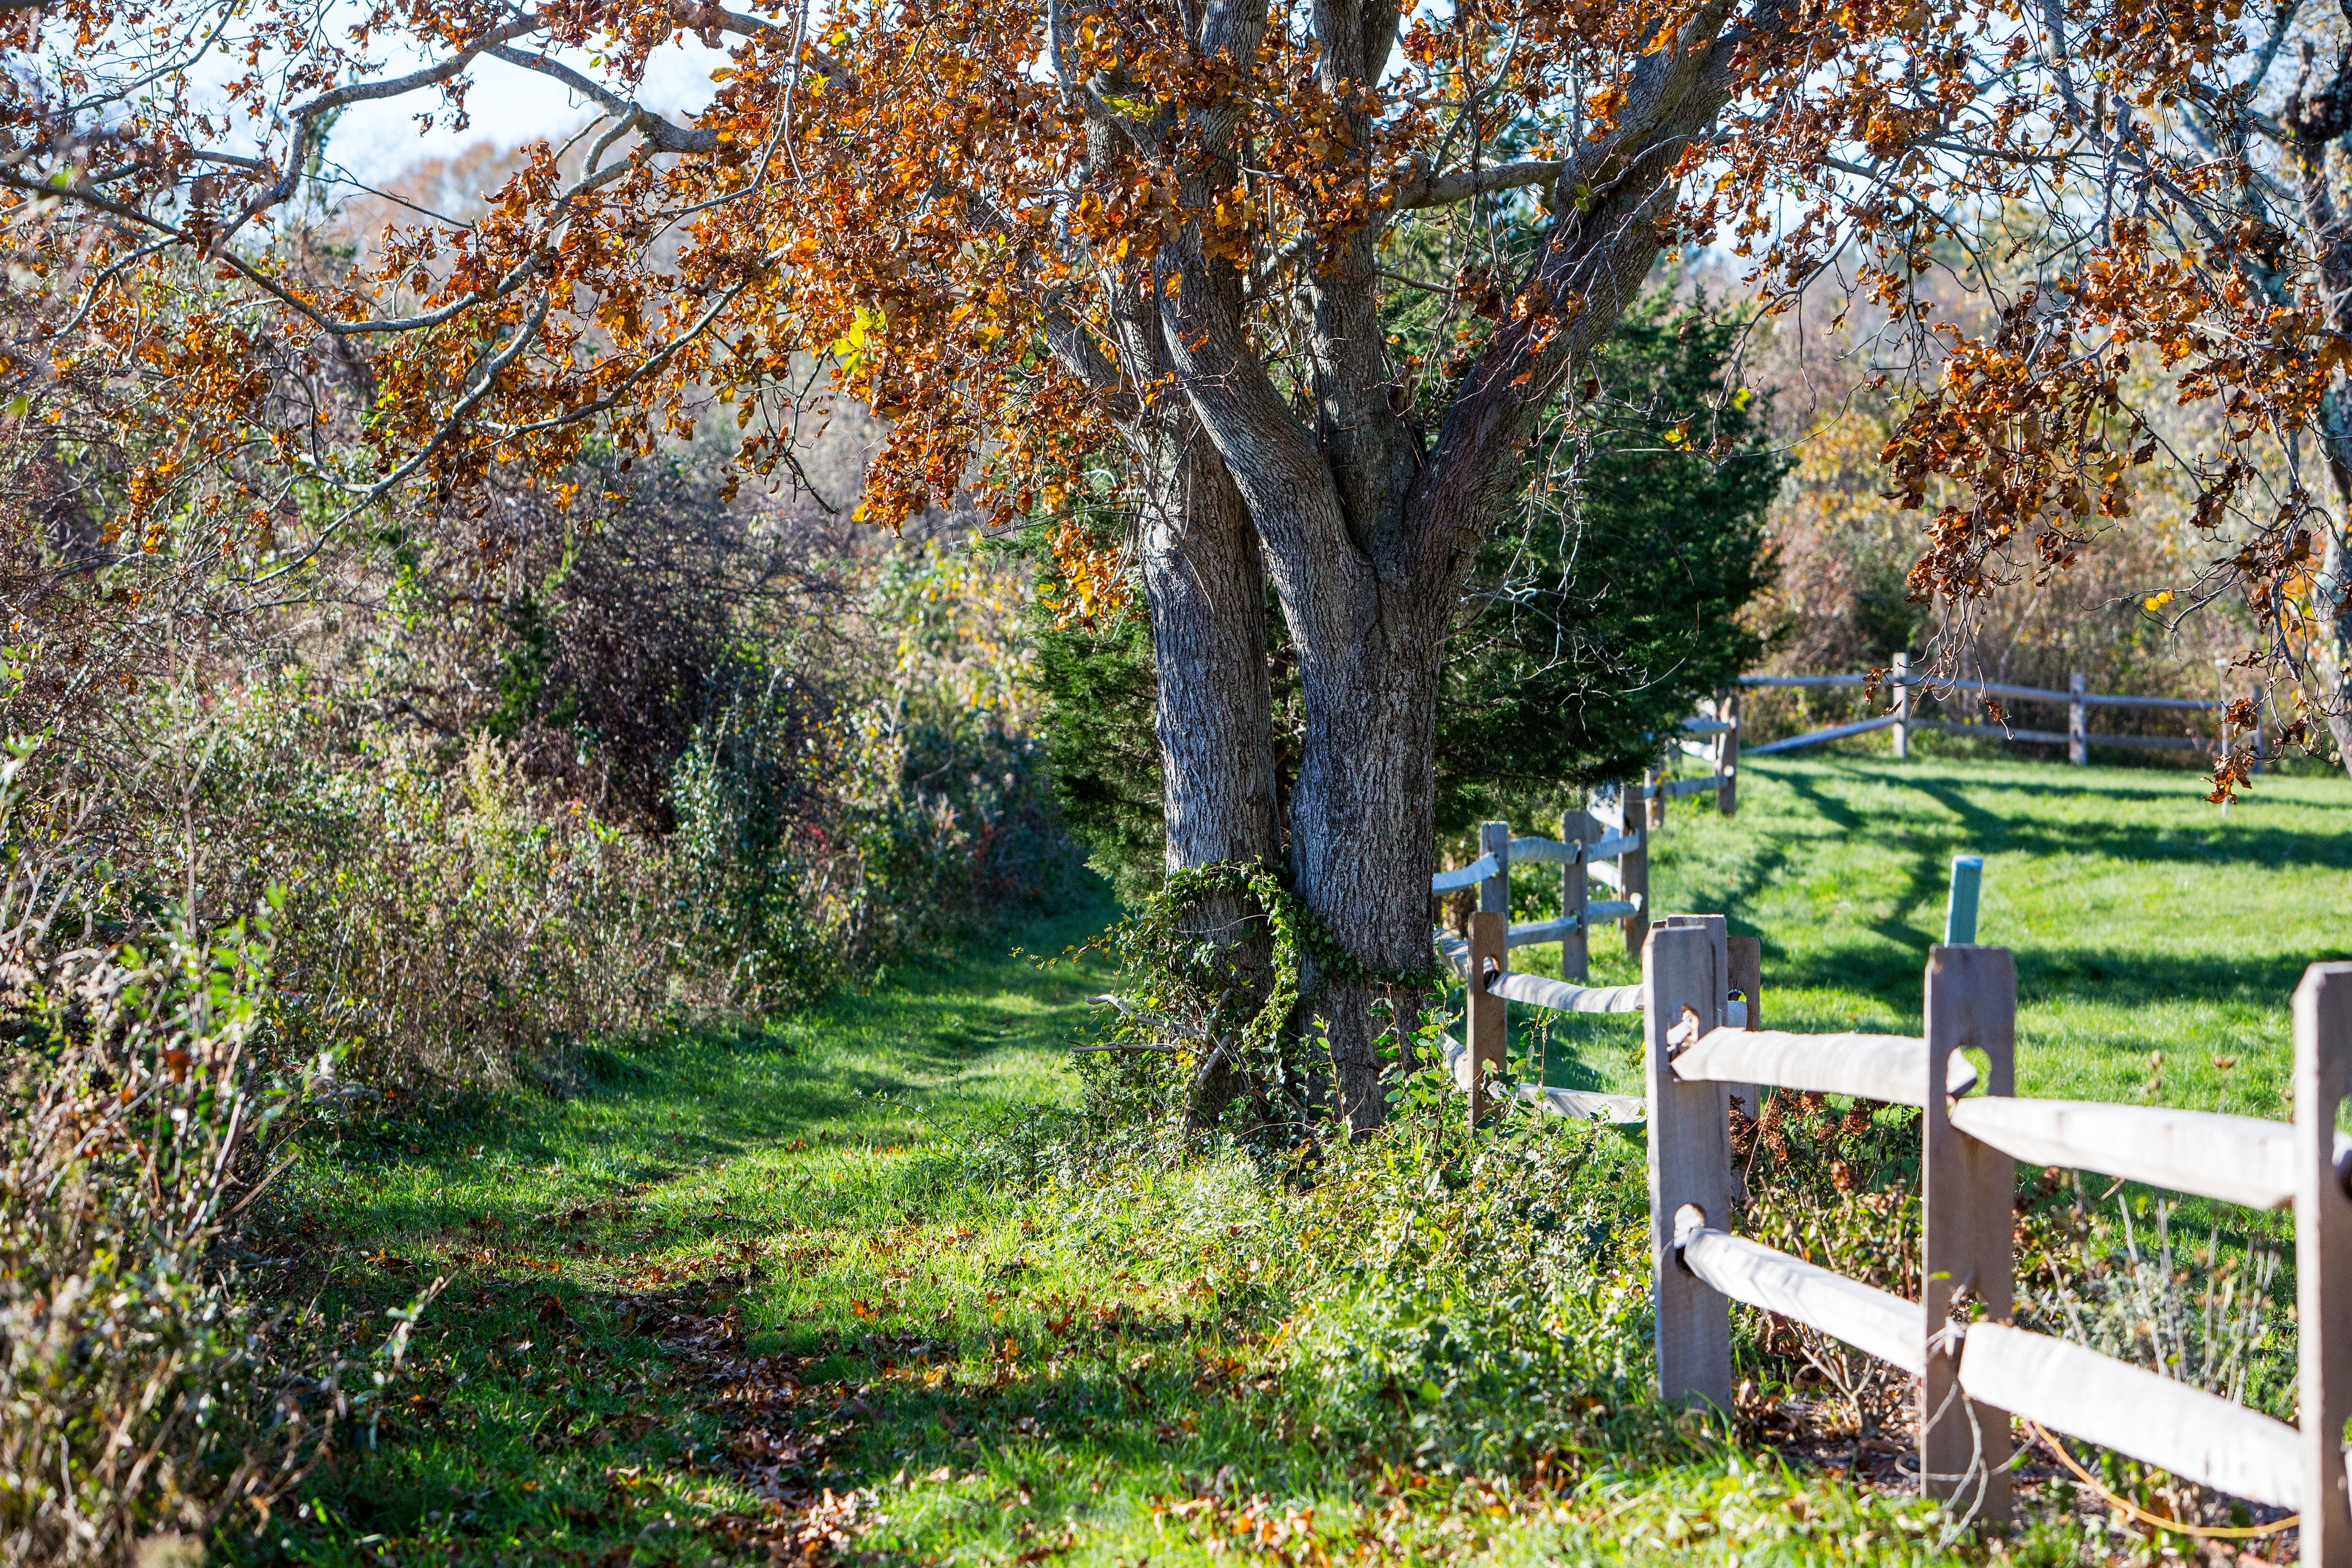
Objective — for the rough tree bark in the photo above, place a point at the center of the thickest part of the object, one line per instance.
(1204, 586)
(2316, 122)
(2332, 590)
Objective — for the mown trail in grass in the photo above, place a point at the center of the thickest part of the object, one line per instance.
(745, 1299)
(551, 1404)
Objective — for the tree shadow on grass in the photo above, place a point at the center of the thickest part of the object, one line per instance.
(1804, 787)
(2106, 977)
(2118, 835)
(637, 1403)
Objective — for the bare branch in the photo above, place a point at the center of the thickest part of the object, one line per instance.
(669, 138)
(1427, 190)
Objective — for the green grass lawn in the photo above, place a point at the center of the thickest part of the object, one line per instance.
(2157, 938)
(739, 1296)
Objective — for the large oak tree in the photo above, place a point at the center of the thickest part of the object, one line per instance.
(1165, 236)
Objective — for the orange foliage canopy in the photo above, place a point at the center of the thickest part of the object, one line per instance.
(1031, 235)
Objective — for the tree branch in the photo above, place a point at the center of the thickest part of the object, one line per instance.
(306, 119)
(1590, 264)
(1426, 189)
(669, 138)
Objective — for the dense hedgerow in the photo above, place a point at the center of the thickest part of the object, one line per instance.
(432, 827)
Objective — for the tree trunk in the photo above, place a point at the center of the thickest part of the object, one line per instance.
(1205, 587)
(2331, 589)
(1204, 584)
(1363, 816)
(2331, 641)
(1366, 529)
(2318, 124)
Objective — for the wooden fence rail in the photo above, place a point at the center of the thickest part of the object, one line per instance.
(1706, 1050)
(2078, 737)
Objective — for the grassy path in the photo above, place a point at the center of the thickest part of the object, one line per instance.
(600, 1248)
(745, 1299)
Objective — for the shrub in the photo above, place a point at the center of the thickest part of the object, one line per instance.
(144, 1392)
(1839, 1188)
(264, 862)
(1451, 1307)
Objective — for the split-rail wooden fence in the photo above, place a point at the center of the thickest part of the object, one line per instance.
(1905, 684)
(1607, 842)
(1705, 1048)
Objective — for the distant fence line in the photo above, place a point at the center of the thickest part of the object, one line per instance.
(1607, 841)
(2078, 737)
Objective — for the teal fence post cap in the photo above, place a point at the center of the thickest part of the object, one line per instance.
(1960, 913)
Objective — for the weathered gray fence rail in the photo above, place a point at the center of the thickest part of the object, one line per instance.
(1976, 1375)
(1706, 1049)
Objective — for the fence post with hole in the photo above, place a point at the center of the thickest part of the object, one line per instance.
(1903, 705)
(1578, 829)
(1634, 881)
(1969, 1215)
(1490, 1025)
(2323, 1265)
(2078, 719)
(1690, 1158)
(1726, 754)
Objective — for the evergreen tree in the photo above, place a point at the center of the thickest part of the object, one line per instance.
(1100, 694)
(1582, 637)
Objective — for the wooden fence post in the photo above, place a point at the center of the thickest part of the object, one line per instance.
(1653, 800)
(1490, 1016)
(1901, 705)
(1726, 754)
(1488, 1026)
(2323, 1260)
(1494, 892)
(1690, 1161)
(1744, 956)
(1579, 828)
(1634, 881)
(2078, 719)
(1968, 1223)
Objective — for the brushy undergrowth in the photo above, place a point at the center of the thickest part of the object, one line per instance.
(145, 1389)
(1480, 1305)
(445, 829)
